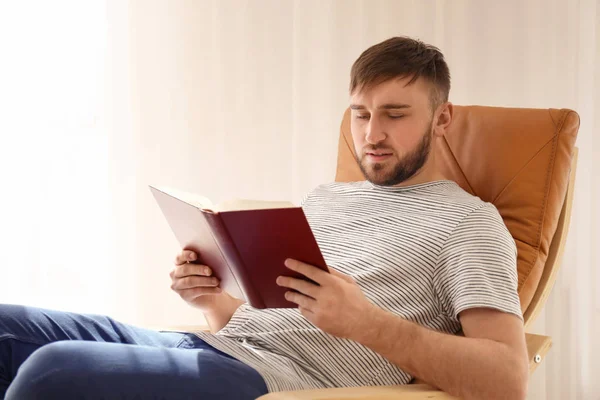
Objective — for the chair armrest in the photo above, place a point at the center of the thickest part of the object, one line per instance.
(537, 348)
(405, 392)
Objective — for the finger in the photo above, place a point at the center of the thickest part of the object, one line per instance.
(304, 287)
(185, 256)
(194, 281)
(302, 300)
(181, 271)
(310, 271)
(194, 293)
(339, 274)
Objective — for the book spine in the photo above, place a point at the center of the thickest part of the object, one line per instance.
(233, 259)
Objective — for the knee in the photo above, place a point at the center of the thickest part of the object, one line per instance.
(24, 321)
(11, 314)
(48, 372)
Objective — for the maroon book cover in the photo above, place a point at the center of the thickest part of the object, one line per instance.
(246, 249)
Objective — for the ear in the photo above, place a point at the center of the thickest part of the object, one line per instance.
(443, 118)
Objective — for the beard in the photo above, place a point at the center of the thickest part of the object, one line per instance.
(389, 174)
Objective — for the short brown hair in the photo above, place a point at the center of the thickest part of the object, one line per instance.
(399, 57)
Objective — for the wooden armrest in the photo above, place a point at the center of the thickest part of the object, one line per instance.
(537, 348)
(406, 392)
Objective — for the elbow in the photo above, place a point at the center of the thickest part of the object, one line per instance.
(512, 383)
(508, 388)
(513, 386)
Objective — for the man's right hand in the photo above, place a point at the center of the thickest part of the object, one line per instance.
(195, 284)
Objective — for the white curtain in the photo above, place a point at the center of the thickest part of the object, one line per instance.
(232, 98)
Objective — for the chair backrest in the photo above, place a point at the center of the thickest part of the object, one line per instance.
(521, 160)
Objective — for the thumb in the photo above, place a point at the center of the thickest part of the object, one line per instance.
(345, 277)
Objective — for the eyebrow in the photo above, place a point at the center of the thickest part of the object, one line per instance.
(388, 106)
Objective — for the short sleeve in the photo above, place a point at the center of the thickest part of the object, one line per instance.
(477, 266)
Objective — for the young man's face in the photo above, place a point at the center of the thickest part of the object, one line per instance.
(392, 130)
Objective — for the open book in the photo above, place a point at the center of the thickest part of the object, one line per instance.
(245, 242)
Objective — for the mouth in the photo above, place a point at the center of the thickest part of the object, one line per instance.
(378, 155)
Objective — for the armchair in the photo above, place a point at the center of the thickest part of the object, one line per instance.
(524, 162)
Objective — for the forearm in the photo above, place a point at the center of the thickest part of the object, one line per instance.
(468, 368)
(221, 313)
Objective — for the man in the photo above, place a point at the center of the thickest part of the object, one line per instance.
(413, 260)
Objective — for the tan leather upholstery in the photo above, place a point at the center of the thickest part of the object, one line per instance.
(517, 159)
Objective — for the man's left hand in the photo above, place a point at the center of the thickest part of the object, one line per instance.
(337, 306)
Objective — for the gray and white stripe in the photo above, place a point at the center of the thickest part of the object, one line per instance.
(424, 252)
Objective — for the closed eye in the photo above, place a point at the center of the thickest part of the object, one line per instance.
(390, 116)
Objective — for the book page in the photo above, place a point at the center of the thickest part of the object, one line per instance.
(228, 205)
(190, 198)
(243, 204)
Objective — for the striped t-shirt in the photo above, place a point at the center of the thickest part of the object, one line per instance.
(424, 252)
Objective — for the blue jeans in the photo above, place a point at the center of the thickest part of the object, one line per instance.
(47, 354)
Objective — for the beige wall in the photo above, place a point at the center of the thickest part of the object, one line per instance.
(244, 99)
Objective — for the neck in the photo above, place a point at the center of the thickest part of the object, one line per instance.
(428, 173)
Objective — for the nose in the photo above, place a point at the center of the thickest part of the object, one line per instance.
(374, 133)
